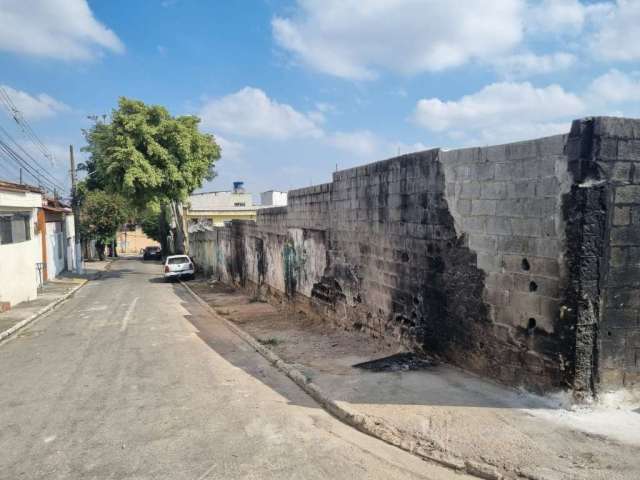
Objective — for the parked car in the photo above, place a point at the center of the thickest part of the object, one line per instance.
(178, 266)
(152, 253)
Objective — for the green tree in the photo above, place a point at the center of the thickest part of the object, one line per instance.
(150, 157)
(101, 215)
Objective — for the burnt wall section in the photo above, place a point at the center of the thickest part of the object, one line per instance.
(506, 200)
(483, 256)
(616, 150)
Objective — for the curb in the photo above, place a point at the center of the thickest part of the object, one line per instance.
(372, 426)
(23, 323)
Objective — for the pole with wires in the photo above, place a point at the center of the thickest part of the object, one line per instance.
(75, 204)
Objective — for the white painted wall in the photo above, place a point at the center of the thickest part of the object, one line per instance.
(55, 249)
(273, 198)
(70, 242)
(18, 273)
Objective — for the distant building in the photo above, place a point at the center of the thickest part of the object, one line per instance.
(213, 209)
(273, 198)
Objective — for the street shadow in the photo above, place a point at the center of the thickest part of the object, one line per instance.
(208, 329)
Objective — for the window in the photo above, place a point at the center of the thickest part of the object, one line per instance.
(239, 204)
(178, 260)
(15, 228)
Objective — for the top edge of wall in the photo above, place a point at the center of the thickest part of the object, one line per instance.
(623, 127)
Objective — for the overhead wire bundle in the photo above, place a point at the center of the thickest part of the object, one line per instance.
(17, 156)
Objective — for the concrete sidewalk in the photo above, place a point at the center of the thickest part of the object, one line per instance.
(52, 293)
(440, 412)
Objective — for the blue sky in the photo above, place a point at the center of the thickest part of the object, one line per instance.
(292, 88)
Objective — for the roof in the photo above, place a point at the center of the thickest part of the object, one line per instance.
(17, 187)
(55, 205)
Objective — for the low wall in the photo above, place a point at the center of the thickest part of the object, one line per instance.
(496, 258)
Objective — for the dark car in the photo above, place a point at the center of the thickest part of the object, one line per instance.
(152, 253)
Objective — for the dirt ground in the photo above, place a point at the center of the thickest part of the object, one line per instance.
(441, 406)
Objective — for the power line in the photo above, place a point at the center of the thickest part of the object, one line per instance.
(33, 167)
(37, 166)
(20, 162)
(17, 116)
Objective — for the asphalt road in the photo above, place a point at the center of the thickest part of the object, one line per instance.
(132, 379)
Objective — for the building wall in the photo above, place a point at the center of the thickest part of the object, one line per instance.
(18, 273)
(134, 241)
(496, 258)
(273, 198)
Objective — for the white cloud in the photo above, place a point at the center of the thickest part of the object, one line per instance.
(366, 144)
(230, 150)
(509, 111)
(615, 87)
(618, 33)
(62, 29)
(355, 39)
(251, 113)
(35, 107)
(559, 16)
(503, 111)
(361, 142)
(528, 64)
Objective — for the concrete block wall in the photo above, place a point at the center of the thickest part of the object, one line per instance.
(516, 261)
(616, 153)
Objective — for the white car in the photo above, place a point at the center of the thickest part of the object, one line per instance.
(177, 266)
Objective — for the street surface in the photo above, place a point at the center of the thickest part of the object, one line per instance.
(132, 379)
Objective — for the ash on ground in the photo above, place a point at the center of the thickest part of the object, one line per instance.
(400, 362)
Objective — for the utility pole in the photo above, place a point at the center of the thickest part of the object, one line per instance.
(75, 204)
(20, 175)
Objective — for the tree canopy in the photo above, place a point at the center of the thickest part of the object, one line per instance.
(102, 214)
(147, 155)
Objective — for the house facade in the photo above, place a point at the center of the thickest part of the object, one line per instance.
(36, 241)
(21, 243)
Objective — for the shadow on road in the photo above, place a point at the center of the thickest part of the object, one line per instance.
(216, 335)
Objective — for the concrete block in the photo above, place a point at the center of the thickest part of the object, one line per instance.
(498, 226)
(493, 190)
(511, 207)
(629, 150)
(509, 171)
(547, 248)
(521, 189)
(626, 235)
(516, 245)
(483, 207)
(621, 172)
(484, 171)
(482, 243)
(621, 216)
(549, 227)
(473, 224)
(620, 318)
(627, 194)
(548, 187)
(607, 149)
(616, 127)
(526, 227)
(470, 190)
(464, 207)
(527, 302)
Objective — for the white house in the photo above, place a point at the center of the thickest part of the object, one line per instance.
(21, 251)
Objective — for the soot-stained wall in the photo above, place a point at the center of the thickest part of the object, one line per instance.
(496, 259)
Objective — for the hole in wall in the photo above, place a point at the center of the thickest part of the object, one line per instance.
(609, 334)
(525, 265)
(533, 286)
(531, 324)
